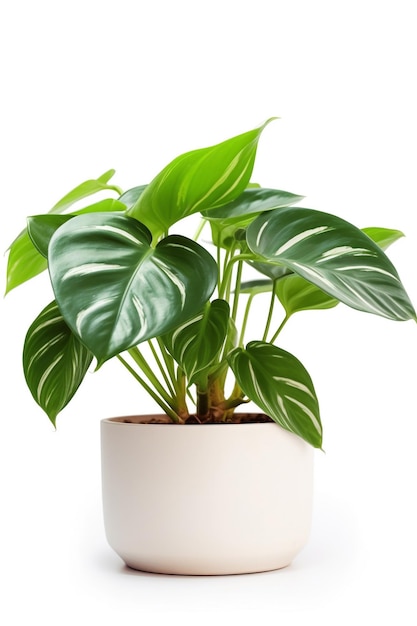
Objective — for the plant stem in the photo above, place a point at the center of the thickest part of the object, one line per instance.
(161, 368)
(237, 290)
(245, 318)
(169, 362)
(167, 409)
(200, 228)
(144, 366)
(271, 309)
(225, 283)
(281, 326)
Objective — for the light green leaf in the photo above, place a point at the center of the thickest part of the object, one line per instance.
(115, 290)
(250, 203)
(333, 255)
(253, 287)
(25, 262)
(42, 227)
(281, 386)
(297, 294)
(197, 343)
(54, 361)
(197, 180)
(384, 237)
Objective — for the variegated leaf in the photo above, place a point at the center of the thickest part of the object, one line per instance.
(197, 343)
(297, 294)
(54, 361)
(334, 255)
(281, 386)
(42, 227)
(201, 179)
(115, 290)
(250, 203)
(25, 261)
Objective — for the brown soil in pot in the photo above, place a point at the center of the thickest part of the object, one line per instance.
(238, 418)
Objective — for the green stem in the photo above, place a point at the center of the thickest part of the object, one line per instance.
(228, 271)
(237, 290)
(169, 362)
(245, 318)
(144, 366)
(281, 326)
(161, 368)
(271, 309)
(200, 228)
(167, 409)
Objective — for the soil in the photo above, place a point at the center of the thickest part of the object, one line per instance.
(238, 418)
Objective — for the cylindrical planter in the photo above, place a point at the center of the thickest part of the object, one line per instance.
(205, 499)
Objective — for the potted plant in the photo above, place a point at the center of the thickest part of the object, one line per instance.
(203, 487)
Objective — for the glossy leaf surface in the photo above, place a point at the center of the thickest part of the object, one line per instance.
(281, 386)
(115, 290)
(297, 294)
(42, 227)
(25, 261)
(54, 361)
(335, 256)
(197, 342)
(250, 203)
(197, 180)
(131, 196)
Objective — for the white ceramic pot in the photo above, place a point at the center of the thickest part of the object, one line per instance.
(205, 499)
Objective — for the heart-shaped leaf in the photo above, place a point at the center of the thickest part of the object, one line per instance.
(281, 386)
(54, 361)
(197, 180)
(115, 290)
(335, 256)
(196, 343)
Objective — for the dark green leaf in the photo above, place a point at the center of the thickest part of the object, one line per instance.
(54, 361)
(333, 255)
(250, 203)
(131, 196)
(197, 180)
(115, 290)
(281, 386)
(42, 227)
(197, 343)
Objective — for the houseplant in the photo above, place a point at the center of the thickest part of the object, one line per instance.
(174, 312)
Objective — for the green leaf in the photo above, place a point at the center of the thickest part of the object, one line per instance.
(85, 189)
(333, 255)
(131, 196)
(297, 294)
(54, 361)
(197, 180)
(250, 203)
(115, 290)
(253, 287)
(281, 386)
(42, 227)
(197, 343)
(384, 237)
(25, 262)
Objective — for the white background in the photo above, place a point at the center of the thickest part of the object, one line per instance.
(91, 85)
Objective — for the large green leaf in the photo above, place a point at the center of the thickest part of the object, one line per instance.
(25, 262)
(115, 290)
(297, 294)
(42, 227)
(197, 343)
(250, 203)
(131, 196)
(335, 256)
(197, 180)
(54, 361)
(281, 386)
